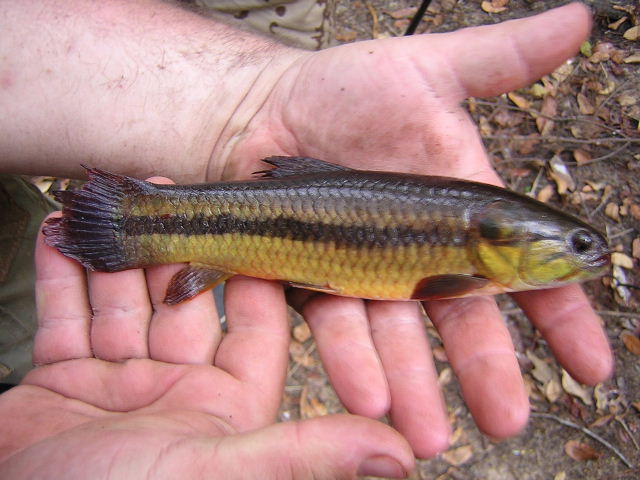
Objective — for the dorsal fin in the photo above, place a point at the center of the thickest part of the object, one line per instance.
(288, 166)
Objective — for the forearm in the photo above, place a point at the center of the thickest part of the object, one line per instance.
(140, 87)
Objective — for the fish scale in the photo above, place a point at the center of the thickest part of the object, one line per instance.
(377, 235)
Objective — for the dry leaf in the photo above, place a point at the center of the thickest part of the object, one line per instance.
(631, 342)
(458, 456)
(300, 355)
(561, 73)
(635, 247)
(494, 6)
(622, 260)
(519, 100)
(310, 407)
(602, 421)
(538, 90)
(408, 12)
(635, 211)
(580, 451)
(609, 88)
(560, 476)
(549, 109)
(574, 388)
(346, 36)
(617, 23)
(485, 127)
(553, 391)
(626, 100)
(439, 354)
(633, 33)
(301, 332)
(445, 377)
(612, 210)
(585, 106)
(635, 58)
(581, 156)
(545, 193)
(636, 405)
(561, 175)
(622, 293)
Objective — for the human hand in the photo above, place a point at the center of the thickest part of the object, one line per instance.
(394, 104)
(128, 387)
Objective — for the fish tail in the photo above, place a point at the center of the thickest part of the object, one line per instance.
(90, 227)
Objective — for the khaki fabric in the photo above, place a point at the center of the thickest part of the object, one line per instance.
(22, 209)
(303, 23)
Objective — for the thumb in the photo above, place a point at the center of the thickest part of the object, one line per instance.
(331, 447)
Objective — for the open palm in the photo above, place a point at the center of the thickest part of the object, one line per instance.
(128, 387)
(395, 105)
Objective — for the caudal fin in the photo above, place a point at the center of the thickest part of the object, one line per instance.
(89, 230)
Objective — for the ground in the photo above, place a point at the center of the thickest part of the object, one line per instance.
(573, 140)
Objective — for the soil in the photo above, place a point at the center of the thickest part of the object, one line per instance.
(594, 106)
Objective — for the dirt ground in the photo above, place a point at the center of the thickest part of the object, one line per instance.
(572, 139)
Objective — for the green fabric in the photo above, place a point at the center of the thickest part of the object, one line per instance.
(22, 209)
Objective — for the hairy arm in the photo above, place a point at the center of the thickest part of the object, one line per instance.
(140, 87)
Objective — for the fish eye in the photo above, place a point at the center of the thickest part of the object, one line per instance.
(581, 241)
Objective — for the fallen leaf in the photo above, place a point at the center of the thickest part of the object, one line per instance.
(612, 210)
(609, 88)
(458, 456)
(310, 407)
(585, 106)
(633, 33)
(552, 390)
(631, 342)
(580, 451)
(549, 109)
(574, 388)
(636, 405)
(346, 36)
(622, 260)
(300, 355)
(602, 421)
(581, 156)
(439, 354)
(622, 293)
(485, 127)
(545, 193)
(538, 90)
(635, 247)
(617, 23)
(560, 476)
(635, 58)
(445, 377)
(301, 332)
(635, 211)
(561, 175)
(519, 100)
(561, 73)
(626, 100)
(408, 12)
(585, 48)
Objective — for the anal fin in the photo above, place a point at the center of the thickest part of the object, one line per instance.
(447, 286)
(192, 280)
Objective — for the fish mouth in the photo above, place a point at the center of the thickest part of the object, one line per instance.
(602, 261)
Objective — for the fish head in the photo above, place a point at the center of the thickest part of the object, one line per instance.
(526, 244)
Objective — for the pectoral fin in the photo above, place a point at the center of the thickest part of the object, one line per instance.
(192, 280)
(316, 288)
(447, 286)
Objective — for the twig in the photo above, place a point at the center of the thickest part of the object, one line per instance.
(608, 155)
(621, 421)
(375, 28)
(553, 138)
(588, 432)
(620, 234)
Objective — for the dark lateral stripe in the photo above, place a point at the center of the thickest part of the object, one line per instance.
(292, 229)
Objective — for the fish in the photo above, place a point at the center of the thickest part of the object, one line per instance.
(325, 227)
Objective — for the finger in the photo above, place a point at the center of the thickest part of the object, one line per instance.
(491, 60)
(417, 407)
(121, 315)
(187, 333)
(255, 349)
(341, 328)
(481, 354)
(64, 315)
(572, 329)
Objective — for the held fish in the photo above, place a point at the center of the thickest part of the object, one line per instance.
(376, 235)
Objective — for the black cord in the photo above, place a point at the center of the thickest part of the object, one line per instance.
(417, 18)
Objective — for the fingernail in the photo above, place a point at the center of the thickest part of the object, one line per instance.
(381, 466)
